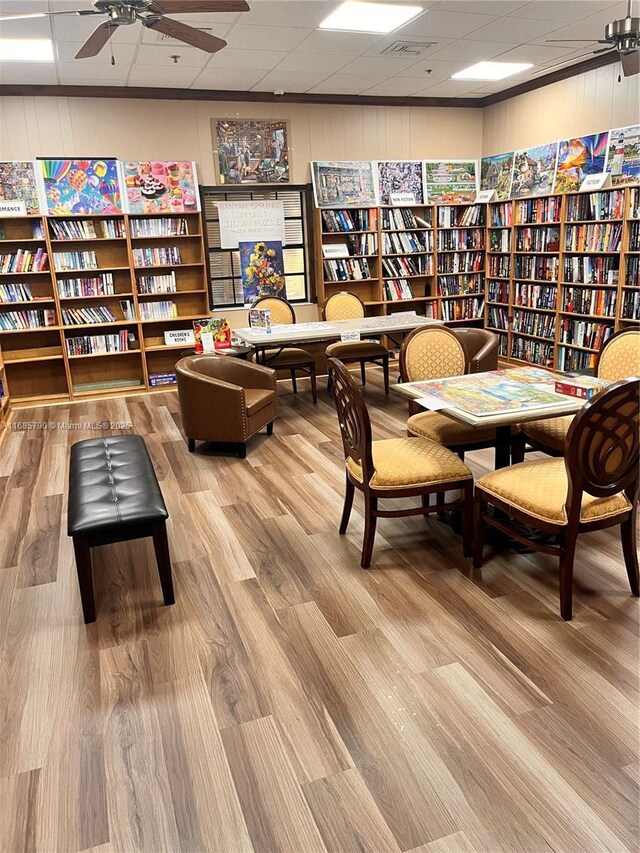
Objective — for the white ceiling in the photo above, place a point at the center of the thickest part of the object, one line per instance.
(277, 45)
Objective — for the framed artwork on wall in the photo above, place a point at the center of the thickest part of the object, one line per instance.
(623, 159)
(451, 181)
(579, 157)
(81, 186)
(496, 173)
(401, 179)
(251, 151)
(534, 170)
(344, 183)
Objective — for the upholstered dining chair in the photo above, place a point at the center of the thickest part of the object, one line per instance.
(618, 359)
(348, 306)
(292, 359)
(594, 486)
(393, 468)
(435, 352)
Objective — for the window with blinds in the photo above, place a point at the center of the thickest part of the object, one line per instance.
(224, 264)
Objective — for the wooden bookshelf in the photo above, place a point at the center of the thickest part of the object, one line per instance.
(40, 363)
(460, 262)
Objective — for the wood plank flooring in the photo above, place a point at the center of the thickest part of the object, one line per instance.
(290, 701)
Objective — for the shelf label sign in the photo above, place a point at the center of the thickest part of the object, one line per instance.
(599, 181)
(402, 199)
(485, 196)
(181, 337)
(13, 208)
(244, 221)
(335, 250)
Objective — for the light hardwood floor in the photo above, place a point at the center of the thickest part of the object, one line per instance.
(291, 701)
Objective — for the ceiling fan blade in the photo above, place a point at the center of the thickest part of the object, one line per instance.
(603, 49)
(630, 63)
(585, 41)
(184, 7)
(96, 41)
(186, 34)
(25, 15)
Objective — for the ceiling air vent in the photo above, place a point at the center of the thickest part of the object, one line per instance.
(407, 48)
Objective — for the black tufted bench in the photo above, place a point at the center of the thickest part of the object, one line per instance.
(114, 496)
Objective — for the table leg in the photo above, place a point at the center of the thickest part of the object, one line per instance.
(503, 446)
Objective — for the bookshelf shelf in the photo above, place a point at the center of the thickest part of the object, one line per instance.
(104, 354)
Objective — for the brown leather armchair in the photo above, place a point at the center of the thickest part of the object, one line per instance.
(481, 348)
(225, 400)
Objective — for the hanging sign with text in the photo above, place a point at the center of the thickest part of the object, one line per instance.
(243, 221)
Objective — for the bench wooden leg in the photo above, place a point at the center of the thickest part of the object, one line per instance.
(85, 577)
(161, 547)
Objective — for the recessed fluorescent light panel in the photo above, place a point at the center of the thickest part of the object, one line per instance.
(370, 17)
(491, 70)
(26, 50)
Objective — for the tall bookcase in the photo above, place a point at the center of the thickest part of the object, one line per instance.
(461, 245)
(92, 293)
(629, 311)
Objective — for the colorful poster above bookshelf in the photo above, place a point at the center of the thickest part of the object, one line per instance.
(534, 170)
(251, 151)
(81, 187)
(262, 267)
(578, 158)
(349, 183)
(19, 190)
(496, 173)
(401, 176)
(161, 186)
(450, 181)
(623, 160)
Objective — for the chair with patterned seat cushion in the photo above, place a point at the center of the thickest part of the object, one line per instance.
(594, 486)
(292, 359)
(393, 468)
(618, 359)
(348, 306)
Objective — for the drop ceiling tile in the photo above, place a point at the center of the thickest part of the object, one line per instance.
(161, 56)
(246, 37)
(448, 89)
(469, 52)
(80, 74)
(380, 66)
(396, 87)
(34, 28)
(538, 55)
(175, 76)
(590, 27)
(262, 60)
(514, 30)
(152, 37)
(70, 28)
(123, 53)
(434, 46)
(15, 7)
(343, 44)
(485, 7)
(28, 72)
(552, 10)
(347, 84)
(240, 79)
(440, 69)
(451, 25)
(289, 81)
(288, 13)
(329, 63)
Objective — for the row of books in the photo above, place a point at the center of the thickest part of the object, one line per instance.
(602, 205)
(501, 214)
(456, 217)
(101, 285)
(401, 267)
(157, 283)
(590, 270)
(500, 265)
(584, 333)
(575, 359)
(535, 323)
(36, 318)
(350, 220)
(158, 256)
(499, 240)
(15, 292)
(465, 238)
(95, 344)
(597, 237)
(497, 318)
(346, 269)
(632, 277)
(535, 352)
(396, 289)
(163, 226)
(402, 217)
(157, 310)
(472, 283)
(65, 261)
(86, 316)
(462, 309)
(502, 346)
(85, 229)
(538, 239)
(587, 300)
(634, 236)
(23, 260)
(631, 305)
(399, 242)
(498, 291)
(362, 244)
(464, 262)
(635, 203)
(541, 268)
(546, 209)
(535, 295)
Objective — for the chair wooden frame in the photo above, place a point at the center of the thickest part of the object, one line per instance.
(586, 472)
(377, 359)
(355, 429)
(307, 365)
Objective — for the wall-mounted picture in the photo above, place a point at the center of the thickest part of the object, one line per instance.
(496, 172)
(262, 267)
(251, 151)
(18, 184)
(579, 157)
(81, 186)
(450, 181)
(623, 160)
(534, 170)
(400, 176)
(344, 183)
(161, 186)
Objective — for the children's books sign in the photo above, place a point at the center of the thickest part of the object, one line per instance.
(496, 173)
(241, 221)
(262, 267)
(534, 171)
(211, 333)
(161, 186)
(344, 183)
(623, 160)
(19, 194)
(578, 158)
(81, 187)
(400, 177)
(450, 181)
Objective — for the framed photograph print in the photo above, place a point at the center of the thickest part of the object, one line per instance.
(251, 151)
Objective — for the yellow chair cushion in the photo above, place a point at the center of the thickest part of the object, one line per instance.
(288, 356)
(432, 354)
(444, 430)
(540, 488)
(356, 349)
(551, 432)
(405, 462)
(280, 311)
(343, 306)
(621, 358)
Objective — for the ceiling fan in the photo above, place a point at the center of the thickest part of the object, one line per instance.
(622, 36)
(151, 14)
